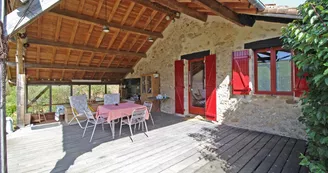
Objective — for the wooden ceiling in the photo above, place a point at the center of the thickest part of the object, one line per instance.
(68, 42)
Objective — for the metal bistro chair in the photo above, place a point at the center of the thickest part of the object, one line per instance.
(149, 106)
(138, 116)
(94, 121)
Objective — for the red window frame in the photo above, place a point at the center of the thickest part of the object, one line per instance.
(273, 71)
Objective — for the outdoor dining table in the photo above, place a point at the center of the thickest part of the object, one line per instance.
(114, 112)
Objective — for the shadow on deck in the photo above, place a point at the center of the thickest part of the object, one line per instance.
(175, 144)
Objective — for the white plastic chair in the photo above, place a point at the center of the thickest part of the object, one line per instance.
(138, 116)
(92, 120)
(149, 106)
(78, 104)
(110, 99)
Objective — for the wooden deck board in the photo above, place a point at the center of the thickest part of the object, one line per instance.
(272, 156)
(173, 145)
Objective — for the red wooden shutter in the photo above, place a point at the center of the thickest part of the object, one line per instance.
(210, 77)
(179, 87)
(240, 73)
(300, 84)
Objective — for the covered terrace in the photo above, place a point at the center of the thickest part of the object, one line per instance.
(90, 47)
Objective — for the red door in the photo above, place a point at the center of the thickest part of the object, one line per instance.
(179, 87)
(197, 90)
(210, 76)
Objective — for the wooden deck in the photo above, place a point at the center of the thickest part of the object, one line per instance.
(174, 144)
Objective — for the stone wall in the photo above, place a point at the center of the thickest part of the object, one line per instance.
(188, 35)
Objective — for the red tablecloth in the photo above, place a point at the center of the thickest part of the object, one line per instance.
(113, 112)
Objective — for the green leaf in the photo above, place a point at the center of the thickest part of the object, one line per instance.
(326, 81)
(313, 19)
(310, 13)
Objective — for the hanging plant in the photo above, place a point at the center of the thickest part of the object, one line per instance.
(308, 38)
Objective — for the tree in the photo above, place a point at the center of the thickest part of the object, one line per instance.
(309, 40)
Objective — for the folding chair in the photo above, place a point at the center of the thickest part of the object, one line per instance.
(79, 104)
(149, 106)
(110, 99)
(94, 121)
(138, 116)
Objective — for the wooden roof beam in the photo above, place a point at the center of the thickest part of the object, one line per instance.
(33, 9)
(83, 48)
(219, 9)
(182, 8)
(66, 82)
(158, 7)
(73, 67)
(89, 19)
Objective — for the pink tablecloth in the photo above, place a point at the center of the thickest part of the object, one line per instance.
(113, 112)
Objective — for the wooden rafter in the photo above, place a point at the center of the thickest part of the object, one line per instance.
(153, 14)
(158, 22)
(100, 4)
(143, 9)
(38, 61)
(81, 6)
(113, 39)
(83, 48)
(88, 35)
(101, 22)
(219, 9)
(108, 65)
(111, 15)
(58, 26)
(70, 67)
(78, 62)
(100, 39)
(89, 61)
(127, 13)
(66, 62)
(182, 8)
(158, 7)
(71, 40)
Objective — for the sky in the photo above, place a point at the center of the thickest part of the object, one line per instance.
(290, 3)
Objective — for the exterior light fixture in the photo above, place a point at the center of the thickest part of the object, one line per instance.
(167, 18)
(150, 39)
(106, 29)
(177, 14)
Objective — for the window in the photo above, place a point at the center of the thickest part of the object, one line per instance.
(80, 90)
(273, 71)
(113, 89)
(60, 95)
(38, 98)
(97, 92)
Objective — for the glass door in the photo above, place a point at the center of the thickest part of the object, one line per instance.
(197, 93)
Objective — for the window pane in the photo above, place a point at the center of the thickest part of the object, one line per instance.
(97, 92)
(263, 71)
(38, 98)
(284, 71)
(80, 90)
(112, 89)
(60, 95)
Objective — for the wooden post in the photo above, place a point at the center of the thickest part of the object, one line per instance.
(50, 98)
(20, 84)
(3, 73)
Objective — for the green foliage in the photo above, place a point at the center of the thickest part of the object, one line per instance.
(309, 40)
(11, 102)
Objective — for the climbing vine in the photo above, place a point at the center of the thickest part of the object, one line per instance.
(308, 37)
